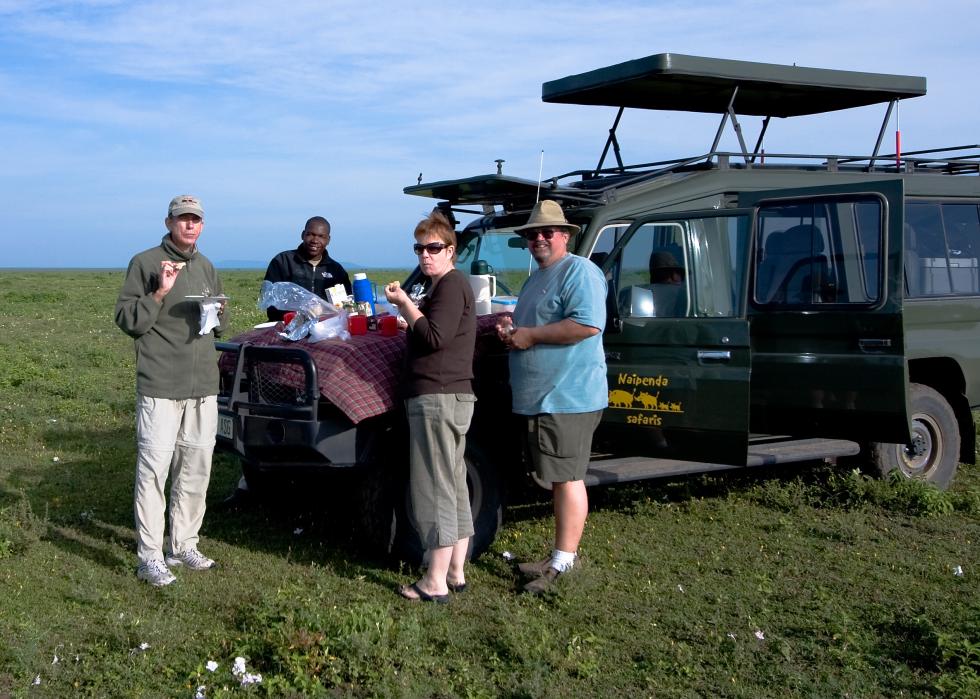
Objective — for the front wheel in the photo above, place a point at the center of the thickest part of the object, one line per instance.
(483, 483)
(934, 452)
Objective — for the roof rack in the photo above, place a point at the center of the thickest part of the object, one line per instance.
(669, 81)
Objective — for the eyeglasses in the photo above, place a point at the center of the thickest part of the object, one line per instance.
(533, 233)
(431, 248)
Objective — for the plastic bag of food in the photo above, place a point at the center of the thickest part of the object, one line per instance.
(310, 309)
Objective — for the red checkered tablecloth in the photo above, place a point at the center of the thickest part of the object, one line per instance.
(361, 375)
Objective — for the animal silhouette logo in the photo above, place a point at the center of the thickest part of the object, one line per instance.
(621, 399)
(650, 402)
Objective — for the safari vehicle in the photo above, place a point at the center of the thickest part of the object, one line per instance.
(828, 305)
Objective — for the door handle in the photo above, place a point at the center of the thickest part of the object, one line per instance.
(711, 356)
(872, 344)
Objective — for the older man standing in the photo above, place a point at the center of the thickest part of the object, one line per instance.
(558, 376)
(176, 387)
(309, 265)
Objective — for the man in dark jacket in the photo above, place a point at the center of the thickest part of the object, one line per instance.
(309, 265)
(159, 306)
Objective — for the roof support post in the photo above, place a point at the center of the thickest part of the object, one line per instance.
(881, 133)
(611, 141)
(738, 132)
(724, 120)
(762, 133)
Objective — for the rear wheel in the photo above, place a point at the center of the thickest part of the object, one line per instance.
(934, 452)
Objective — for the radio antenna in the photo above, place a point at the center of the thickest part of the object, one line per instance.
(537, 195)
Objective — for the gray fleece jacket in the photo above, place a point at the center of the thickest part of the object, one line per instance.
(172, 359)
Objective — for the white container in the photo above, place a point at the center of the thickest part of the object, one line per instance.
(484, 288)
(503, 304)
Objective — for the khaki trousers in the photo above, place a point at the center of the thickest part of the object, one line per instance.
(174, 437)
(437, 425)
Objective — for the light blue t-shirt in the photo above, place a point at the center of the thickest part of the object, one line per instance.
(561, 378)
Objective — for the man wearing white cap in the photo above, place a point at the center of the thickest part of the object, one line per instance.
(176, 389)
(558, 376)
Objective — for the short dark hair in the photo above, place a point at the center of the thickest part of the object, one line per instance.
(317, 219)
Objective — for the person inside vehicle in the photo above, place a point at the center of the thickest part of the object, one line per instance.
(667, 285)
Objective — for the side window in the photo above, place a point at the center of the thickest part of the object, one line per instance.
(820, 251)
(682, 269)
(942, 244)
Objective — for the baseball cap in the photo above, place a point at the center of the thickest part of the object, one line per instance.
(185, 204)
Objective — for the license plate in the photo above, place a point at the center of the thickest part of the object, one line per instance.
(226, 426)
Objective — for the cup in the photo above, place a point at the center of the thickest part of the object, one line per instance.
(357, 325)
(480, 267)
(388, 325)
(287, 317)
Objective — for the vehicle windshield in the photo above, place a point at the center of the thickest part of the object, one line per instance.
(499, 252)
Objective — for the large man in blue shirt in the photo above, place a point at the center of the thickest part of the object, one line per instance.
(558, 376)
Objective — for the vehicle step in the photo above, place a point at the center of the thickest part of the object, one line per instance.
(636, 468)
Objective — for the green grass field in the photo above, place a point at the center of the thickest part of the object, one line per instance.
(804, 583)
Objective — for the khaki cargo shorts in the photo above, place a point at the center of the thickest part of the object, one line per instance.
(559, 444)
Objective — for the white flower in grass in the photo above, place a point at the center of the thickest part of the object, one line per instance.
(958, 571)
(761, 636)
(248, 678)
(199, 694)
(731, 636)
(56, 459)
(507, 556)
(298, 530)
(37, 680)
(144, 645)
(211, 666)
(680, 588)
(239, 667)
(55, 661)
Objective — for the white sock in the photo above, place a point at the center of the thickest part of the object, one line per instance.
(562, 560)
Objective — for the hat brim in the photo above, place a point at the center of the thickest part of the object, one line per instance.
(570, 227)
(177, 211)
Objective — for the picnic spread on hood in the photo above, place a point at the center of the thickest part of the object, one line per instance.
(341, 315)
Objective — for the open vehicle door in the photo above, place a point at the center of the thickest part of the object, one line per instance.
(677, 340)
(825, 309)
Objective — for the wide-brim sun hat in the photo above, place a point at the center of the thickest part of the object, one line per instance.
(548, 214)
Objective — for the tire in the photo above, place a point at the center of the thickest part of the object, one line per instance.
(935, 449)
(375, 517)
(483, 483)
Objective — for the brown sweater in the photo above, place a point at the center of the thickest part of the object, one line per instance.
(440, 345)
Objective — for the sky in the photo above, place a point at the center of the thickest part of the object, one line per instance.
(275, 112)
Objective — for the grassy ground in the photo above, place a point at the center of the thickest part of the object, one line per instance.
(805, 583)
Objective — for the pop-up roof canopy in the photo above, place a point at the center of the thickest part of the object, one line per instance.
(675, 82)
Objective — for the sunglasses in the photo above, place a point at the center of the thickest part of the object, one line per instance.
(431, 248)
(533, 233)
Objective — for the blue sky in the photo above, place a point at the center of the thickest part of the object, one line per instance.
(274, 112)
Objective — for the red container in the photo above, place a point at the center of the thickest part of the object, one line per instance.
(388, 325)
(287, 317)
(357, 325)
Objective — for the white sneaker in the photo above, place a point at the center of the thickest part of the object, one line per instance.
(156, 573)
(192, 558)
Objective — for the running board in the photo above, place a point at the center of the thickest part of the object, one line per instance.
(638, 468)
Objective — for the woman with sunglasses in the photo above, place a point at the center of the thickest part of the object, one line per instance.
(439, 405)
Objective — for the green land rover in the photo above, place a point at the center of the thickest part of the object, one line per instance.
(818, 306)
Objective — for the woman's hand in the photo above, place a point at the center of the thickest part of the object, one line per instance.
(396, 295)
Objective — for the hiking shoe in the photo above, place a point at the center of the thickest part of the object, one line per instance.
(156, 573)
(192, 558)
(542, 583)
(535, 569)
